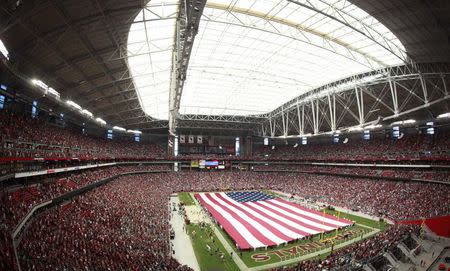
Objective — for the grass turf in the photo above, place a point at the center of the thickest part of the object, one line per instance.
(213, 262)
(186, 198)
(358, 219)
(246, 256)
(209, 260)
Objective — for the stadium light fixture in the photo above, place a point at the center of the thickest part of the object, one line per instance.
(134, 132)
(75, 105)
(357, 128)
(372, 126)
(287, 136)
(45, 87)
(53, 92)
(3, 50)
(87, 113)
(39, 83)
(445, 115)
(99, 120)
(119, 128)
(402, 122)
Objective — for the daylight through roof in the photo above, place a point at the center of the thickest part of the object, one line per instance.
(251, 56)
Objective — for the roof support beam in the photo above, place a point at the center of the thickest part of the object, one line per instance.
(283, 118)
(360, 101)
(332, 107)
(272, 128)
(301, 119)
(445, 85)
(315, 115)
(393, 88)
(424, 88)
(323, 40)
(188, 20)
(358, 26)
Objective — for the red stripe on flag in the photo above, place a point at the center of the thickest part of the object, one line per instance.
(315, 211)
(303, 215)
(234, 234)
(258, 235)
(260, 221)
(282, 223)
(295, 220)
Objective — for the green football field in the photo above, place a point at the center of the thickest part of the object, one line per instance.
(282, 253)
(209, 259)
(211, 254)
(186, 198)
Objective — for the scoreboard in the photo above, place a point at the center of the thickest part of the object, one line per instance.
(208, 164)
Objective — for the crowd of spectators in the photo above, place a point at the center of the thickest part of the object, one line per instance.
(442, 175)
(16, 201)
(108, 228)
(356, 255)
(393, 200)
(122, 225)
(41, 139)
(109, 205)
(410, 147)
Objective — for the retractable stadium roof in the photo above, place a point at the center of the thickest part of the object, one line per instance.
(249, 57)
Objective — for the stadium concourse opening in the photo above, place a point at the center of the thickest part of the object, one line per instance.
(179, 135)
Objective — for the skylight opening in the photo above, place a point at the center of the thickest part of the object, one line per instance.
(251, 56)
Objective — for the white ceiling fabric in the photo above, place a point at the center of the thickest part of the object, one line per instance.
(251, 56)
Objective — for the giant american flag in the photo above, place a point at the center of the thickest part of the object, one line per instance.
(254, 219)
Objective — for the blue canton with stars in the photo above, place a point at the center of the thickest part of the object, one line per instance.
(248, 196)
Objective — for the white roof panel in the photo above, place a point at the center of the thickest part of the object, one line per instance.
(251, 56)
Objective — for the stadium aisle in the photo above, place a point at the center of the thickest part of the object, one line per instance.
(182, 246)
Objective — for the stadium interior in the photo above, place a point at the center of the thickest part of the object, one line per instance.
(225, 135)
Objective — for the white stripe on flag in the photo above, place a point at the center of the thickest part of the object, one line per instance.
(263, 230)
(236, 224)
(286, 221)
(310, 214)
(269, 220)
(303, 219)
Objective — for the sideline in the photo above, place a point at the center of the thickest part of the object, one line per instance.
(242, 266)
(237, 260)
(181, 244)
(311, 255)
